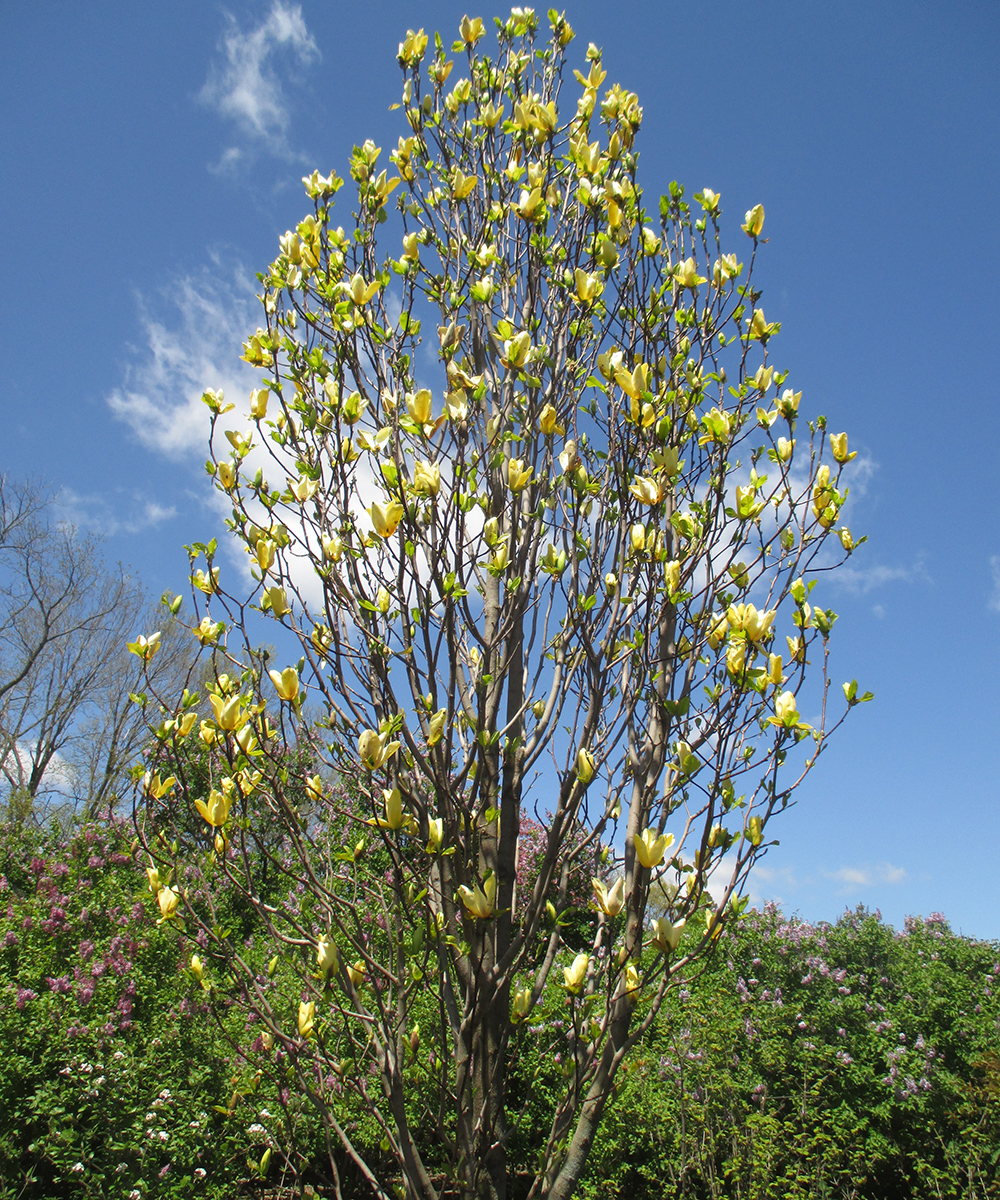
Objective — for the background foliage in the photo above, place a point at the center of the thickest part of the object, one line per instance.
(838, 1060)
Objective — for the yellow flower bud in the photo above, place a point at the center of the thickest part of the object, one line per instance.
(386, 517)
(258, 403)
(609, 901)
(307, 1018)
(327, 958)
(278, 601)
(286, 683)
(227, 475)
(435, 835)
(197, 967)
(426, 478)
(168, 901)
(479, 902)
(518, 475)
(576, 974)
(838, 445)
(585, 766)
(754, 222)
(418, 404)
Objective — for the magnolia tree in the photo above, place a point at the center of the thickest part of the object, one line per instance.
(526, 492)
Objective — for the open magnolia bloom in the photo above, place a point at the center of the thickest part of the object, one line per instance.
(479, 902)
(526, 498)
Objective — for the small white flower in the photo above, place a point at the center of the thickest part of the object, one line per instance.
(194, 1124)
(265, 1115)
(118, 1055)
(163, 1135)
(135, 1194)
(256, 1129)
(77, 1167)
(200, 1172)
(150, 1117)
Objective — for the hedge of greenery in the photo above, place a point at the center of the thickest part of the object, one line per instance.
(846, 1060)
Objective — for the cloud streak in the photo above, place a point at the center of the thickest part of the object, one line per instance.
(866, 876)
(243, 87)
(196, 347)
(97, 514)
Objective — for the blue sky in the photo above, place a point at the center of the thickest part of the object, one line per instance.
(150, 156)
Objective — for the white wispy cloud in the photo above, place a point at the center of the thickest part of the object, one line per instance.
(102, 514)
(866, 876)
(193, 333)
(995, 572)
(860, 580)
(244, 87)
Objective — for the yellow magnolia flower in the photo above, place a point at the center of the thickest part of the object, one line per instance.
(393, 818)
(278, 601)
(168, 901)
(686, 274)
(303, 489)
(631, 982)
(197, 967)
(756, 625)
(157, 787)
(788, 403)
(153, 875)
(228, 713)
(375, 749)
(207, 631)
(216, 811)
(650, 849)
(754, 221)
(264, 553)
(145, 647)
(585, 766)
(327, 958)
(258, 403)
(286, 683)
(426, 478)
(575, 975)
(361, 292)
(518, 475)
(411, 247)
(736, 657)
(838, 444)
(610, 901)
(672, 574)
(786, 714)
(588, 287)
(649, 491)
(206, 581)
(547, 421)
(435, 835)
(774, 667)
(471, 30)
(846, 539)
(667, 934)
(356, 974)
(637, 538)
(226, 475)
(206, 733)
(634, 384)
(717, 631)
(522, 1003)
(435, 730)
(386, 517)
(755, 831)
(307, 1018)
(479, 902)
(418, 405)
(517, 349)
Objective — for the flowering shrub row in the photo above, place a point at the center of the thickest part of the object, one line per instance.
(801, 1061)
